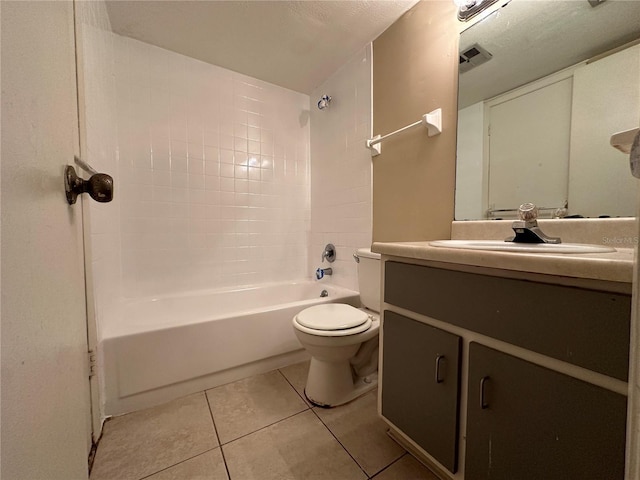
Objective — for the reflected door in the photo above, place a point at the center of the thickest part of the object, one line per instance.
(528, 147)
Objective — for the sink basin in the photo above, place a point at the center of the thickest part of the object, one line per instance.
(503, 246)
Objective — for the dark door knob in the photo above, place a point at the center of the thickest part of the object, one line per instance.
(99, 186)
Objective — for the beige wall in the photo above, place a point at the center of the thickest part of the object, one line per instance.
(415, 72)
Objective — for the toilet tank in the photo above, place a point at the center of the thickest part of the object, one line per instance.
(369, 278)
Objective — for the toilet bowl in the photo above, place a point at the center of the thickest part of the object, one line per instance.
(343, 341)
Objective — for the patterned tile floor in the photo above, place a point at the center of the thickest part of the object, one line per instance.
(256, 428)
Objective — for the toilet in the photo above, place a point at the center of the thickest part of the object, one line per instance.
(343, 340)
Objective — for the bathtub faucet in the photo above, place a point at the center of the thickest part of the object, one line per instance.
(321, 272)
(329, 253)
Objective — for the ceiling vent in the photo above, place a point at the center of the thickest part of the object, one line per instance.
(472, 57)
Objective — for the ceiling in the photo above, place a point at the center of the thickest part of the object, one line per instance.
(294, 44)
(531, 39)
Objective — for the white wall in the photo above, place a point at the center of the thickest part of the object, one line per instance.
(214, 170)
(469, 164)
(341, 169)
(606, 100)
(98, 146)
(98, 142)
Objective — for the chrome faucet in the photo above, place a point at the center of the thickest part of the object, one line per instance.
(526, 229)
(321, 272)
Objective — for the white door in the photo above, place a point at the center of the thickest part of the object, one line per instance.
(46, 427)
(632, 471)
(522, 168)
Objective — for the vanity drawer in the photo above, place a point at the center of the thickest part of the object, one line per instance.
(588, 328)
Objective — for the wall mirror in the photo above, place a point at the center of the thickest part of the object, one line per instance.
(543, 84)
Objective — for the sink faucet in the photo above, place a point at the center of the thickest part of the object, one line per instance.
(526, 229)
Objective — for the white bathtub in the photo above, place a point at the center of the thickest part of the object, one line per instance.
(160, 349)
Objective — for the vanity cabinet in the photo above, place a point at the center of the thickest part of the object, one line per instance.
(527, 422)
(584, 327)
(421, 367)
(523, 420)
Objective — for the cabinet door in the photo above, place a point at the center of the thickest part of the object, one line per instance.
(420, 385)
(527, 422)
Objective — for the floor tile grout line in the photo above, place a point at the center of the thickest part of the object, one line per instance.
(215, 429)
(180, 462)
(334, 436)
(338, 440)
(267, 426)
(405, 452)
(389, 466)
(294, 388)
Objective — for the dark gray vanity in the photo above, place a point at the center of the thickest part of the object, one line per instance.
(490, 373)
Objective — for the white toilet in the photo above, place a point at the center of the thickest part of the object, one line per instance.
(343, 340)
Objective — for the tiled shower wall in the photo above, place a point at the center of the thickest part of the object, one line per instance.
(99, 148)
(214, 170)
(341, 183)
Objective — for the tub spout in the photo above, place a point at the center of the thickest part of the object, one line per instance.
(321, 272)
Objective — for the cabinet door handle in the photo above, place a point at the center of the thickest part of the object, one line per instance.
(483, 404)
(439, 359)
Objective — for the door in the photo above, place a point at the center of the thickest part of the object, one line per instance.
(521, 167)
(46, 428)
(633, 418)
(420, 388)
(527, 422)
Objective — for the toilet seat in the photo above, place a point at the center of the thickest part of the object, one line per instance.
(332, 320)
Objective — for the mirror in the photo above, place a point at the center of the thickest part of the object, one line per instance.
(542, 87)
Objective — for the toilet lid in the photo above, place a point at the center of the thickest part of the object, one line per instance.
(332, 316)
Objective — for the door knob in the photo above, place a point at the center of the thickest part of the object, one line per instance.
(99, 186)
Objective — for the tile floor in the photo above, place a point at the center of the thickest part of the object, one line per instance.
(256, 428)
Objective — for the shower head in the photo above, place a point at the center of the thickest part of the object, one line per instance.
(324, 102)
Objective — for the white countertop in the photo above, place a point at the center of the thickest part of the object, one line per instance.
(613, 267)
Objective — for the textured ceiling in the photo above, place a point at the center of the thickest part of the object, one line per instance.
(294, 44)
(532, 39)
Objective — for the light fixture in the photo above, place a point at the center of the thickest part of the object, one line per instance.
(470, 8)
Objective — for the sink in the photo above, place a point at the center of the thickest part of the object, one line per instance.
(502, 246)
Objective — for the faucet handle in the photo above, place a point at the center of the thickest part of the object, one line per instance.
(528, 212)
(329, 253)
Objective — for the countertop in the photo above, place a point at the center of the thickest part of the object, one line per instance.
(612, 267)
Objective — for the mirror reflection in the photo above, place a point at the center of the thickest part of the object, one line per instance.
(542, 87)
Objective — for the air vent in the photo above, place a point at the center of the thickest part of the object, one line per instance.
(472, 57)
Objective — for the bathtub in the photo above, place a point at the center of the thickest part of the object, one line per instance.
(155, 350)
